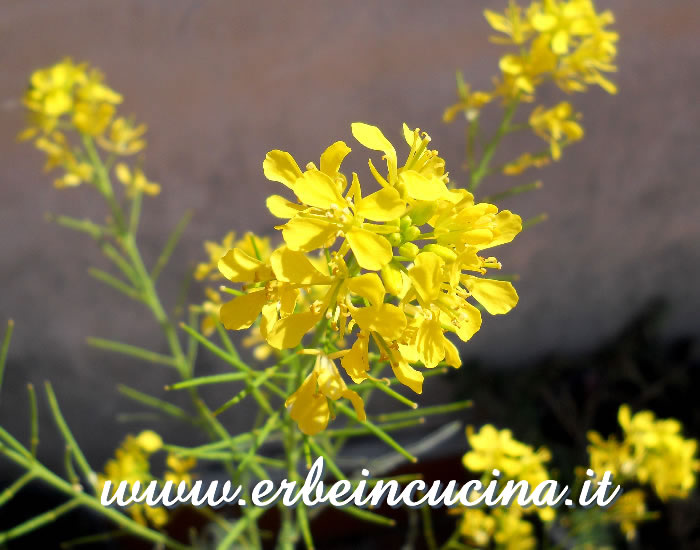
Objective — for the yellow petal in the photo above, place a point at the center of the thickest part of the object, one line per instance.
(470, 323)
(386, 319)
(292, 266)
(288, 332)
(372, 138)
(497, 21)
(356, 361)
(497, 297)
(372, 251)
(309, 408)
(317, 189)
(242, 311)
(368, 286)
(280, 166)
(357, 404)
(332, 158)
(426, 275)
(543, 22)
(288, 299)
(239, 267)
(383, 206)
(452, 355)
(122, 172)
(421, 188)
(281, 207)
(506, 226)
(308, 234)
(393, 278)
(560, 42)
(408, 376)
(430, 343)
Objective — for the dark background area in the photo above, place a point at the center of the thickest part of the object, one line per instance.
(221, 83)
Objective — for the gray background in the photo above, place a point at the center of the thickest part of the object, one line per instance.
(221, 83)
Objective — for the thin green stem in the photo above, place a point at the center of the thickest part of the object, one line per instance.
(170, 245)
(5, 347)
(133, 351)
(68, 437)
(34, 420)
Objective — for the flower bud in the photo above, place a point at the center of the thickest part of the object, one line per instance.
(422, 211)
(394, 239)
(442, 251)
(411, 233)
(409, 250)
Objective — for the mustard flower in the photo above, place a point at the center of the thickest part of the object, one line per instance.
(135, 181)
(131, 463)
(628, 511)
(492, 448)
(558, 126)
(397, 270)
(124, 137)
(652, 452)
(309, 404)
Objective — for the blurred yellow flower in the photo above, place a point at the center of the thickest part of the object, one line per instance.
(558, 126)
(135, 181)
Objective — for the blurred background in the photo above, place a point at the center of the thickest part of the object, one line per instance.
(221, 83)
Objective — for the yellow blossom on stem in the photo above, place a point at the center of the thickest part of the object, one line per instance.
(135, 181)
(398, 268)
(558, 126)
(309, 404)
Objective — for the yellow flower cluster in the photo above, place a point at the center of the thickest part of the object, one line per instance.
(497, 449)
(652, 452)
(396, 267)
(73, 97)
(131, 463)
(566, 42)
(502, 528)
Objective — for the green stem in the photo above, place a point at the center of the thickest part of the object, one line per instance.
(5, 347)
(69, 439)
(481, 170)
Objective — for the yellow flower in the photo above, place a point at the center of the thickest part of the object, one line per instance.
(124, 138)
(59, 154)
(309, 404)
(179, 469)
(505, 527)
(261, 349)
(665, 459)
(50, 95)
(511, 23)
(420, 293)
(652, 452)
(525, 161)
(135, 181)
(513, 532)
(566, 41)
(524, 71)
(210, 311)
(131, 463)
(628, 511)
(470, 103)
(497, 449)
(215, 251)
(477, 527)
(558, 126)
(327, 214)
